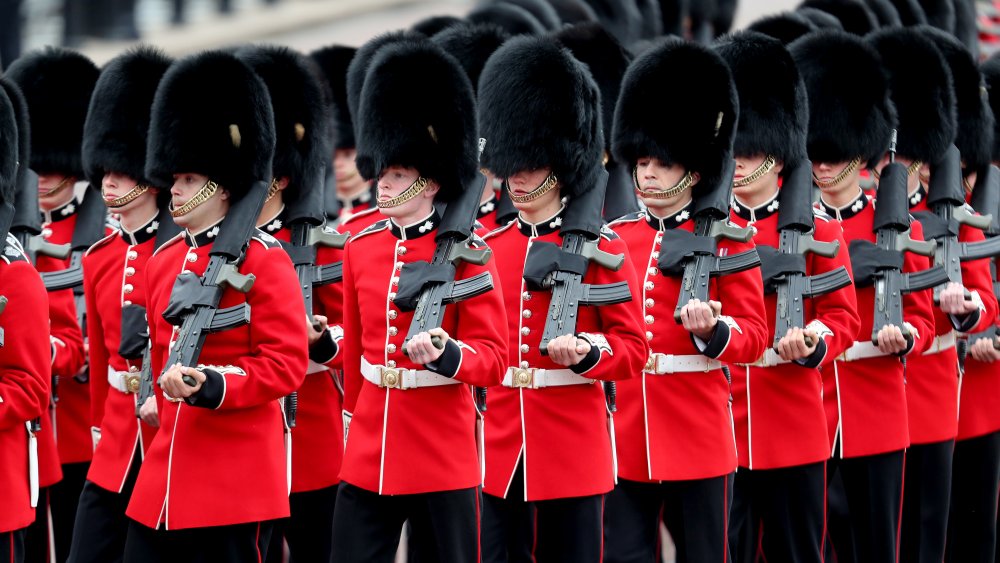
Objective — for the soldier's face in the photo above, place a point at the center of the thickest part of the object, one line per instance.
(186, 185)
(115, 185)
(652, 175)
(54, 190)
(393, 182)
(346, 172)
(526, 181)
(825, 172)
(747, 165)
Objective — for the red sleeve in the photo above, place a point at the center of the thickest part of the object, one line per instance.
(98, 354)
(352, 337)
(837, 311)
(483, 345)
(743, 317)
(918, 306)
(67, 338)
(25, 355)
(976, 277)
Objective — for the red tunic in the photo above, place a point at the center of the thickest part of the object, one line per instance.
(227, 465)
(865, 399)
(766, 399)
(933, 381)
(679, 426)
(423, 439)
(114, 276)
(24, 380)
(560, 434)
(360, 204)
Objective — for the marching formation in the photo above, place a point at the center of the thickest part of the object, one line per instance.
(547, 283)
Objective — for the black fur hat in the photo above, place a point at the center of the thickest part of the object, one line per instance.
(910, 12)
(785, 27)
(435, 24)
(940, 14)
(821, 19)
(20, 108)
(621, 17)
(9, 157)
(542, 10)
(607, 61)
(975, 117)
(854, 15)
(691, 126)
(333, 62)
(539, 107)
(921, 87)
(966, 29)
(515, 19)
(358, 69)
(302, 150)
(114, 135)
(573, 11)
(57, 84)
(991, 73)
(885, 13)
(211, 115)
(774, 112)
(845, 121)
(672, 13)
(430, 128)
(472, 44)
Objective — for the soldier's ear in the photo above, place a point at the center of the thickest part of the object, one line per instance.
(432, 188)
(779, 166)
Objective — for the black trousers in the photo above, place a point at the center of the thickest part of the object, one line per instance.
(239, 543)
(696, 513)
(926, 498)
(101, 525)
(367, 525)
(972, 522)
(12, 546)
(873, 487)
(309, 530)
(779, 514)
(36, 536)
(64, 498)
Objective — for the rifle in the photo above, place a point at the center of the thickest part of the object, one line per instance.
(986, 200)
(796, 226)
(27, 224)
(620, 199)
(882, 262)
(946, 199)
(696, 255)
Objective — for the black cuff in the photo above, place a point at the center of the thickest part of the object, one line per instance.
(816, 358)
(717, 343)
(589, 361)
(449, 362)
(324, 349)
(967, 322)
(212, 391)
(910, 343)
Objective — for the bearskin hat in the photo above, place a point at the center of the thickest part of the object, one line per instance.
(358, 69)
(302, 150)
(774, 112)
(9, 158)
(691, 126)
(435, 24)
(607, 61)
(621, 17)
(212, 115)
(542, 10)
(573, 11)
(472, 44)
(910, 12)
(991, 74)
(785, 27)
(966, 29)
(921, 87)
(432, 129)
(975, 117)
(845, 121)
(333, 62)
(940, 14)
(821, 19)
(114, 135)
(515, 19)
(57, 84)
(20, 107)
(854, 15)
(885, 13)
(539, 107)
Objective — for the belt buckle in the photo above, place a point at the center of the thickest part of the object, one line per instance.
(652, 364)
(391, 378)
(132, 382)
(523, 378)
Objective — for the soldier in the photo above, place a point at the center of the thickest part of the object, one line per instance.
(114, 154)
(25, 354)
(411, 449)
(57, 115)
(676, 453)
(549, 451)
(864, 388)
(215, 476)
(779, 495)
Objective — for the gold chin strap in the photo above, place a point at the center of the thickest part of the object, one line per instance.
(550, 182)
(131, 196)
(968, 186)
(273, 189)
(851, 168)
(686, 182)
(757, 174)
(59, 187)
(409, 193)
(204, 194)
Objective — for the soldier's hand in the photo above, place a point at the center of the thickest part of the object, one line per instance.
(984, 350)
(172, 383)
(953, 300)
(568, 350)
(699, 318)
(148, 412)
(421, 348)
(316, 327)
(891, 340)
(793, 345)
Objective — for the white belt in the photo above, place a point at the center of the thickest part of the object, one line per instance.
(770, 358)
(662, 364)
(536, 378)
(941, 343)
(401, 378)
(861, 351)
(124, 381)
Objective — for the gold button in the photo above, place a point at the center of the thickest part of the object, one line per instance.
(132, 255)
(390, 378)
(127, 288)
(393, 331)
(651, 271)
(649, 336)
(401, 250)
(391, 363)
(526, 314)
(526, 296)
(192, 257)
(391, 348)
(392, 296)
(130, 271)
(525, 348)
(525, 331)
(392, 314)
(524, 365)
(649, 303)
(649, 319)
(649, 286)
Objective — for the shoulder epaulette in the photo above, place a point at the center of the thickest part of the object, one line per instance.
(104, 241)
(607, 233)
(819, 213)
(630, 218)
(499, 230)
(12, 251)
(171, 242)
(265, 239)
(373, 228)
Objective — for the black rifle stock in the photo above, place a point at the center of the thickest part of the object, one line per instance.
(27, 224)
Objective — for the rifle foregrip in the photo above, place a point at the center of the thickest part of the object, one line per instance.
(476, 256)
(965, 217)
(820, 248)
(922, 247)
